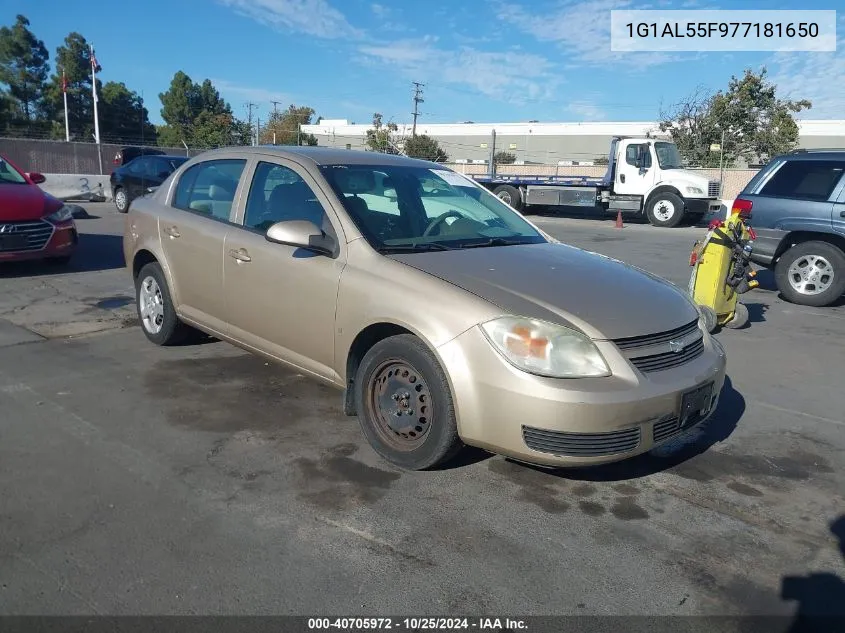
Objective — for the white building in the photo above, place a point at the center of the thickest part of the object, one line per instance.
(535, 142)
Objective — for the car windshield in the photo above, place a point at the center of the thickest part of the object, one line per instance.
(9, 174)
(402, 208)
(668, 156)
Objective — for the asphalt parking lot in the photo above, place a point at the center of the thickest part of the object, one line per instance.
(200, 479)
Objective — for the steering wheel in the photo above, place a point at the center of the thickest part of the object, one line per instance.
(440, 219)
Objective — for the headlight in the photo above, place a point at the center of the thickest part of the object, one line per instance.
(62, 215)
(545, 349)
(695, 191)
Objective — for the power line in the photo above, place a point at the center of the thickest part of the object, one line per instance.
(417, 101)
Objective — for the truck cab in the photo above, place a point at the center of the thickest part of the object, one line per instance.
(646, 174)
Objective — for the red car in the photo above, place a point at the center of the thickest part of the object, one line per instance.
(33, 224)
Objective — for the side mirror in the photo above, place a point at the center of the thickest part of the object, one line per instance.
(302, 234)
(37, 178)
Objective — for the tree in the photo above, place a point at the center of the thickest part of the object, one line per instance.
(74, 57)
(284, 127)
(24, 68)
(177, 110)
(123, 117)
(378, 137)
(756, 123)
(504, 158)
(425, 147)
(196, 114)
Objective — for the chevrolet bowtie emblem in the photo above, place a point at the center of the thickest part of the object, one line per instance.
(677, 346)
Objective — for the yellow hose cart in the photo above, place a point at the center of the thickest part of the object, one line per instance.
(721, 271)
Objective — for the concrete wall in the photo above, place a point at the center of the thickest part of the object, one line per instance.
(91, 187)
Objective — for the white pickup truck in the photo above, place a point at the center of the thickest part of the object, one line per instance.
(644, 175)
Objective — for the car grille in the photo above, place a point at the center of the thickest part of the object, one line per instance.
(713, 188)
(668, 360)
(581, 444)
(633, 342)
(666, 429)
(660, 356)
(37, 233)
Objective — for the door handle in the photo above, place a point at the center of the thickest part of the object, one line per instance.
(172, 231)
(240, 255)
(621, 177)
(842, 214)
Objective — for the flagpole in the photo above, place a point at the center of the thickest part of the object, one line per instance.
(96, 117)
(67, 121)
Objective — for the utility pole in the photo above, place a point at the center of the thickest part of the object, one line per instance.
(275, 118)
(249, 107)
(417, 101)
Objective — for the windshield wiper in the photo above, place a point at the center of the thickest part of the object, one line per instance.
(414, 248)
(495, 241)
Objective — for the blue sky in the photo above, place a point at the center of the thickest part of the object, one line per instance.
(481, 60)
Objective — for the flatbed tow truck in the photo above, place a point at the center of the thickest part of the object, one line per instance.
(644, 176)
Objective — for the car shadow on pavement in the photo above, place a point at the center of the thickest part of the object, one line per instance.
(717, 429)
(820, 596)
(94, 252)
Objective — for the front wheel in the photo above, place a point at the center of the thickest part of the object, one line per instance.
(811, 274)
(739, 318)
(405, 405)
(121, 200)
(665, 210)
(509, 195)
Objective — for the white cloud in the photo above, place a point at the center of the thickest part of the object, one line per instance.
(504, 75)
(262, 96)
(586, 111)
(312, 17)
(582, 29)
(380, 10)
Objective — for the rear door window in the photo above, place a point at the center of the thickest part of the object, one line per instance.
(805, 180)
(209, 188)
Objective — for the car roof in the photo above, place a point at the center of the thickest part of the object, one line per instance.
(325, 155)
(815, 154)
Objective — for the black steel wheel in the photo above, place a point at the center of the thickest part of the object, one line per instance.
(405, 405)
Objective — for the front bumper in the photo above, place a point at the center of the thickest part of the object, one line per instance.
(62, 242)
(702, 205)
(566, 422)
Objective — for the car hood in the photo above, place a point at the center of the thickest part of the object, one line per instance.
(25, 202)
(601, 296)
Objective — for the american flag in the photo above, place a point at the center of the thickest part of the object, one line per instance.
(95, 65)
(64, 81)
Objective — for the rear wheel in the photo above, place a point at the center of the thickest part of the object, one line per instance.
(665, 210)
(405, 405)
(811, 274)
(155, 308)
(509, 195)
(740, 317)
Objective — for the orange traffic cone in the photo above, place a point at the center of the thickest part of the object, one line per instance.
(619, 220)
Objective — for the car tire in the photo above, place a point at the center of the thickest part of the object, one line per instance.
(739, 318)
(665, 210)
(400, 374)
(823, 281)
(121, 200)
(159, 322)
(509, 195)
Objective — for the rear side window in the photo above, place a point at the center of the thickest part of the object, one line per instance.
(805, 180)
(209, 188)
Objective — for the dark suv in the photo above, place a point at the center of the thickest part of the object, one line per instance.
(797, 206)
